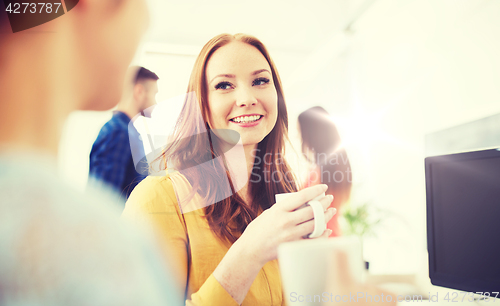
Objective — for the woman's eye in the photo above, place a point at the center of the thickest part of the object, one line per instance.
(260, 81)
(223, 85)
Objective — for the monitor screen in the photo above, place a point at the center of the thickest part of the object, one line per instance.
(463, 220)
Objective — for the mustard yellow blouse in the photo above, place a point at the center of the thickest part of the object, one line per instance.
(191, 247)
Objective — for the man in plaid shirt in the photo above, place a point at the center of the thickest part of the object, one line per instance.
(111, 161)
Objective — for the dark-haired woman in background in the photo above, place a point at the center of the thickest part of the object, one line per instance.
(322, 146)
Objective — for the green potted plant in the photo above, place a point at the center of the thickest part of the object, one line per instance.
(360, 220)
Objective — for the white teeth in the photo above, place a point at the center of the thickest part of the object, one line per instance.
(246, 119)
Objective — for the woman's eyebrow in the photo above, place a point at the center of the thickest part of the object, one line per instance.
(233, 76)
(223, 75)
(259, 71)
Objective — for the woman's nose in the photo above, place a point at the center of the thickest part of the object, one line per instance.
(245, 97)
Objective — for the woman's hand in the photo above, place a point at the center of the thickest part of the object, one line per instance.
(259, 243)
(283, 222)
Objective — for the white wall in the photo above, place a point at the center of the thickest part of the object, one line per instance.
(80, 131)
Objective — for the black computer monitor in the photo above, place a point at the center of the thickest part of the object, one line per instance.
(463, 220)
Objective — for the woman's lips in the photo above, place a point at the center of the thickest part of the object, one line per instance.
(248, 124)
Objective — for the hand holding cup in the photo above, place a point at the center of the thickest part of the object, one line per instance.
(318, 212)
(285, 222)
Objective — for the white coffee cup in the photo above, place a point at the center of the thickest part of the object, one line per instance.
(318, 210)
(305, 266)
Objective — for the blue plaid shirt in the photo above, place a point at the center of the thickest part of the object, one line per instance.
(111, 161)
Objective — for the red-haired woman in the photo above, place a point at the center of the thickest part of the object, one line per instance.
(216, 215)
(322, 146)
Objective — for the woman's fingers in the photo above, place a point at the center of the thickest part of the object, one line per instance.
(301, 219)
(295, 200)
(330, 212)
(302, 230)
(306, 227)
(305, 222)
(326, 201)
(305, 214)
(326, 234)
(302, 215)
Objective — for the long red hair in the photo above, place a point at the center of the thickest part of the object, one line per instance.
(191, 146)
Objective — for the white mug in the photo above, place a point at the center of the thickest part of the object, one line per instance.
(305, 266)
(319, 213)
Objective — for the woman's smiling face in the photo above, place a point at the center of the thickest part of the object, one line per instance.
(241, 92)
